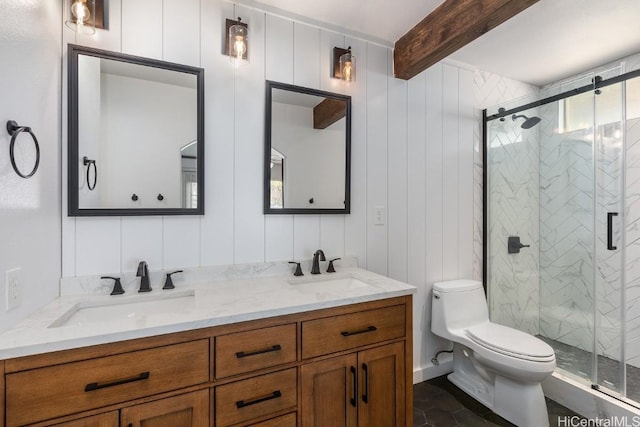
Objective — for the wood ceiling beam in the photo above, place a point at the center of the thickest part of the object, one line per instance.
(449, 27)
(328, 112)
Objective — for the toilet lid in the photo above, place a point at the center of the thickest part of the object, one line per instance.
(510, 341)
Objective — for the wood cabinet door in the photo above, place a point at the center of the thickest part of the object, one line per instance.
(185, 410)
(110, 419)
(382, 386)
(328, 389)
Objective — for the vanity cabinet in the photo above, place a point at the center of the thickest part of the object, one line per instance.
(255, 397)
(110, 419)
(343, 366)
(53, 391)
(190, 409)
(364, 388)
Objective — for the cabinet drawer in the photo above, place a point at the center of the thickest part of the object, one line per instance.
(337, 333)
(50, 392)
(110, 419)
(255, 397)
(288, 420)
(257, 349)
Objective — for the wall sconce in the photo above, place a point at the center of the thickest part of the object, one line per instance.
(85, 16)
(344, 64)
(237, 41)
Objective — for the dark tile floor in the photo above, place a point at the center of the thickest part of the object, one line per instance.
(439, 403)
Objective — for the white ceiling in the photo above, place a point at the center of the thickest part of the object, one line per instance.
(548, 41)
(554, 39)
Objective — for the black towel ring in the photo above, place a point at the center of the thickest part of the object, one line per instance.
(14, 130)
(87, 161)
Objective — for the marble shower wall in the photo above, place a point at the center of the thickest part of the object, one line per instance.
(566, 232)
(513, 211)
(513, 289)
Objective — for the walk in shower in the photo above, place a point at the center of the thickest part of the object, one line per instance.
(562, 225)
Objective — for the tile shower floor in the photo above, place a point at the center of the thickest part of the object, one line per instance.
(579, 362)
(439, 403)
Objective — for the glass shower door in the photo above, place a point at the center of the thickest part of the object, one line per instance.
(609, 368)
(567, 222)
(631, 306)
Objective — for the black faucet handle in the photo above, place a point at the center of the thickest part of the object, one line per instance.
(298, 271)
(143, 269)
(168, 283)
(117, 285)
(330, 269)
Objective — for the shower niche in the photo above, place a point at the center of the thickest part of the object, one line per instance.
(563, 173)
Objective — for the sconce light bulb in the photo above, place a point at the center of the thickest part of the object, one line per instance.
(346, 72)
(80, 20)
(80, 12)
(348, 66)
(239, 46)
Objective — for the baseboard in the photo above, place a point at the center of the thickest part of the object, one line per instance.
(429, 371)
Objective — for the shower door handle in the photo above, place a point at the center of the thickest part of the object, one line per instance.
(610, 216)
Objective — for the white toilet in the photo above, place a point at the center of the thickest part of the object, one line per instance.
(500, 367)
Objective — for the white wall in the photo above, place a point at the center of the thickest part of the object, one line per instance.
(148, 123)
(314, 165)
(412, 153)
(30, 208)
(89, 131)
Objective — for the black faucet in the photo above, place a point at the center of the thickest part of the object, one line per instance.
(318, 256)
(143, 274)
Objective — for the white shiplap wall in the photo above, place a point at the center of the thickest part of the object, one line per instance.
(412, 148)
(30, 208)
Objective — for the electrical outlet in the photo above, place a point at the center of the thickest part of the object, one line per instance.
(13, 286)
(378, 215)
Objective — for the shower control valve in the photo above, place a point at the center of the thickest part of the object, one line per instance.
(514, 245)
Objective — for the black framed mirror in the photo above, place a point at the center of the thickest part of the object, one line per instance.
(307, 155)
(136, 135)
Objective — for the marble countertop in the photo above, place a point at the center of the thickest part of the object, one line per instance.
(214, 303)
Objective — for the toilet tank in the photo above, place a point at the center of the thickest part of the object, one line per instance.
(457, 304)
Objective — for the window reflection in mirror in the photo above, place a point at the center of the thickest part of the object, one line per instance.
(308, 144)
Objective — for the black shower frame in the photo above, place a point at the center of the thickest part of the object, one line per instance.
(596, 83)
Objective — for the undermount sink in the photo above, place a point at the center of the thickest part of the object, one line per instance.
(330, 283)
(135, 308)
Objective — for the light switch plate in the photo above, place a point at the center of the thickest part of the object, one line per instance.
(13, 286)
(378, 215)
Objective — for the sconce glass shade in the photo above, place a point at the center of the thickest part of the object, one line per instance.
(81, 20)
(238, 39)
(348, 66)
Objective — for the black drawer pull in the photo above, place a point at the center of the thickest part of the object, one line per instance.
(362, 331)
(365, 396)
(241, 403)
(98, 386)
(242, 354)
(354, 399)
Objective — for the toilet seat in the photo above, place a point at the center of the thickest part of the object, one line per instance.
(510, 342)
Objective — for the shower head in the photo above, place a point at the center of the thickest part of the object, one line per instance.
(529, 122)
